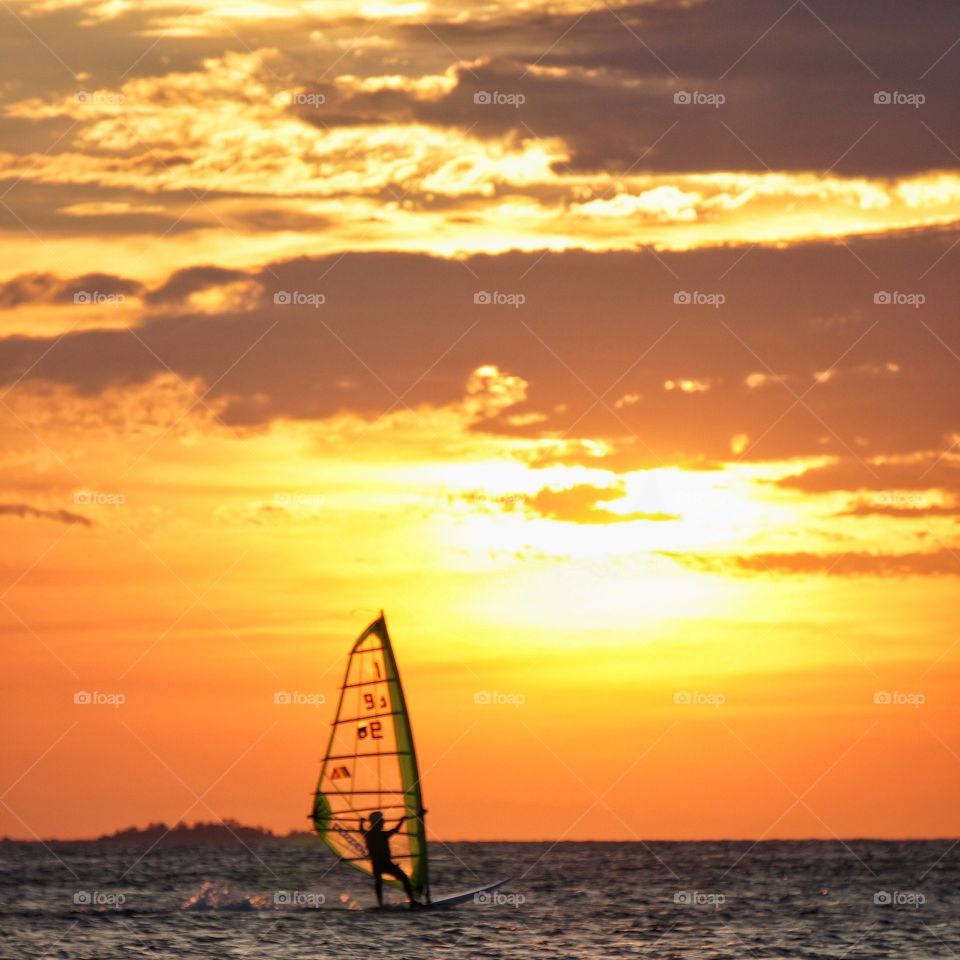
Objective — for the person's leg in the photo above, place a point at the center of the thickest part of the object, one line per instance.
(396, 871)
(378, 885)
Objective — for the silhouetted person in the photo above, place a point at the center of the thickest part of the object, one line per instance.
(378, 846)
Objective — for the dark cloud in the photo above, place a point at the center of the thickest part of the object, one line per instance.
(940, 563)
(180, 285)
(28, 288)
(52, 207)
(47, 288)
(799, 96)
(892, 482)
(597, 337)
(901, 505)
(26, 512)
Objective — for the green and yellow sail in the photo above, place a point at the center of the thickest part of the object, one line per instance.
(371, 764)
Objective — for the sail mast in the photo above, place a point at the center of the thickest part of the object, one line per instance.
(415, 785)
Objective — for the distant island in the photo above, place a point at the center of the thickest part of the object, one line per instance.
(183, 835)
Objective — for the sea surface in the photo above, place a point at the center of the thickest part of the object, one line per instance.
(288, 899)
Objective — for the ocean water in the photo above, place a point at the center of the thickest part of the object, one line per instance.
(288, 899)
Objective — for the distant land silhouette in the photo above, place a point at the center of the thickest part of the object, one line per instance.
(180, 835)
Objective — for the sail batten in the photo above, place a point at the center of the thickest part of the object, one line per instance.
(370, 754)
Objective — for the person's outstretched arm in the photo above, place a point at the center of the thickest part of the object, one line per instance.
(399, 824)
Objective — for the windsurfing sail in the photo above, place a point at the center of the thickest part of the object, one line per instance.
(371, 764)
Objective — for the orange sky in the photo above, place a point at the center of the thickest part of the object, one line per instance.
(637, 414)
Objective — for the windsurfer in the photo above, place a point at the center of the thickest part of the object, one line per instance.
(378, 847)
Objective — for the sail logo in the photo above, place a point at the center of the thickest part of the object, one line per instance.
(686, 698)
(351, 840)
(498, 698)
(339, 773)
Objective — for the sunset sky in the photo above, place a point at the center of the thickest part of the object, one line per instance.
(611, 348)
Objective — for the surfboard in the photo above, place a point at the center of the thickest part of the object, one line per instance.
(468, 896)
